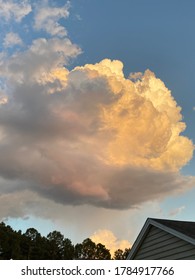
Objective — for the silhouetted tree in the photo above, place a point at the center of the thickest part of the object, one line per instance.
(68, 249)
(32, 246)
(88, 250)
(121, 254)
(55, 245)
(102, 253)
(33, 243)
(7, 238)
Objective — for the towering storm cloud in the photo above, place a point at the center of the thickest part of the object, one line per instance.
(86, 136)
(89, 135)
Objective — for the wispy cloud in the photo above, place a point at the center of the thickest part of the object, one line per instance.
(176, 211)
(11, 39)
(47, 18)
(10, 9)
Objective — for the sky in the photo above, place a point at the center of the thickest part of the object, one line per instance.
(96, 116)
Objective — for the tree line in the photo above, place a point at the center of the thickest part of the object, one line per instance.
(31, 245)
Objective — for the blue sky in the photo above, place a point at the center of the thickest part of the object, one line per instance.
(83, 139)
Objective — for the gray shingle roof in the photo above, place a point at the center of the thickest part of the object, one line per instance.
(185, 227)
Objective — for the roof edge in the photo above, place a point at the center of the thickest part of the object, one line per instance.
(152, 222)
(173, 231)
(139, 239)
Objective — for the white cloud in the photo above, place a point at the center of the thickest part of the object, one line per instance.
(47, 18)
(10, 9)
(11, 39)
(43, 56)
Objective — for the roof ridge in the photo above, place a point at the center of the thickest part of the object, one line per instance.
(182, 221)
(184, 227)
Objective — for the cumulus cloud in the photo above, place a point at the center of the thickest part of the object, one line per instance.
(107, 238)
(47, 18)
(43, 56)
(89, 136)
(10, 9)
(11, 39)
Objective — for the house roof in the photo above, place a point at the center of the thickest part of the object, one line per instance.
(182, 229)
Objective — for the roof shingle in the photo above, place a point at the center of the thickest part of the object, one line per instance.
(185, 227)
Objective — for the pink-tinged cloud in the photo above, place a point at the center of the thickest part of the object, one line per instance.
(90, 135)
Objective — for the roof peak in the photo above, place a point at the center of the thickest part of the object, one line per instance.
(184, 227)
